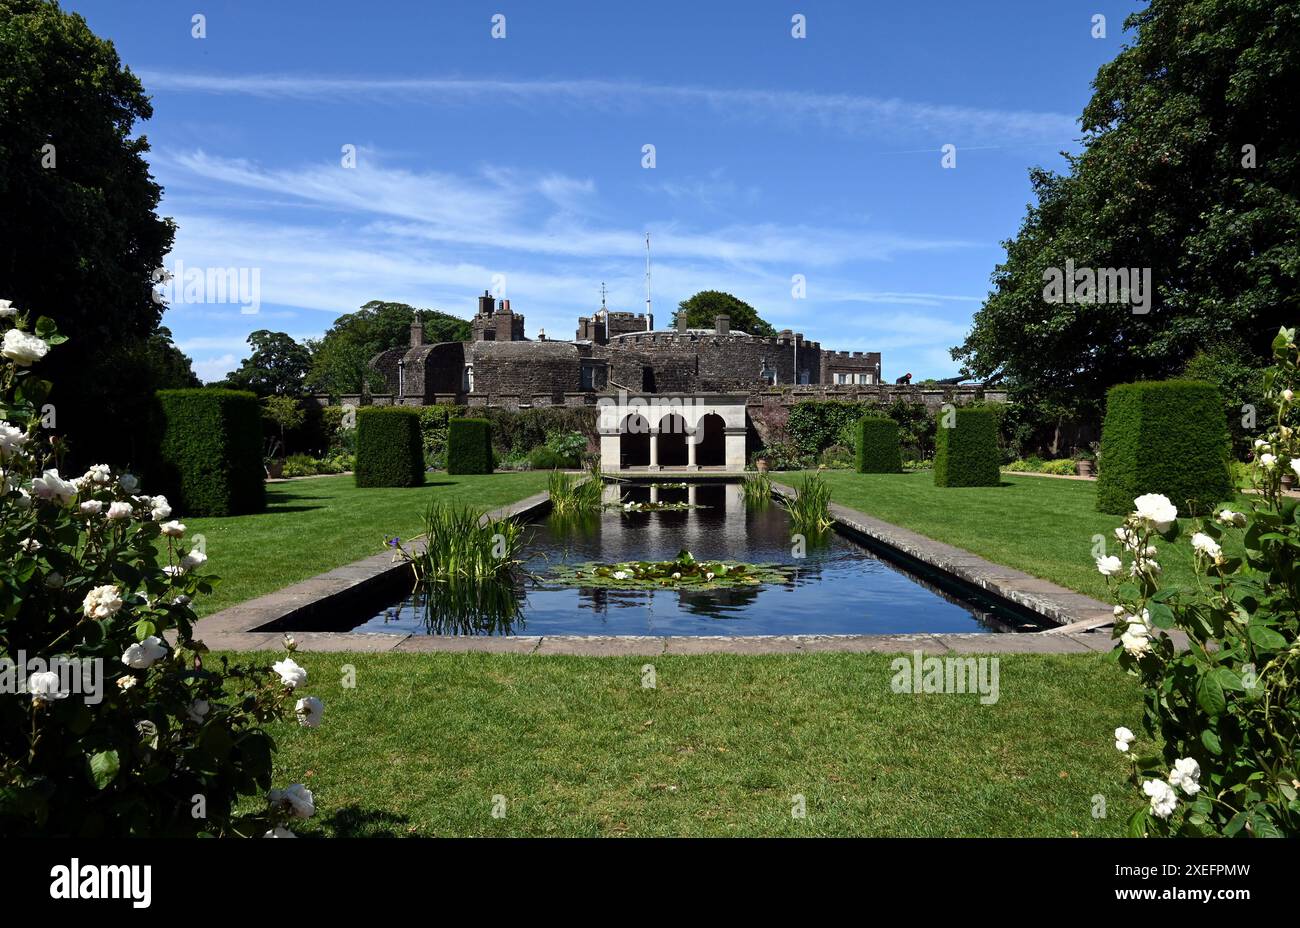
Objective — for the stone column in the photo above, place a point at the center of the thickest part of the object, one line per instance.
(654, 448)
(690, 451)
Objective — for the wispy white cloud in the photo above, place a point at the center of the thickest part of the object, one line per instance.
(969, 125)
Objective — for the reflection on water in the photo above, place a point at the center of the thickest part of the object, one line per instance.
(837, 587)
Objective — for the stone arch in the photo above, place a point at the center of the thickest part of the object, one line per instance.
(672, 439)
(711, 450)
(634, 441)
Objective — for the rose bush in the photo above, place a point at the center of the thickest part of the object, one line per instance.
(146, 737)
(1223, 711)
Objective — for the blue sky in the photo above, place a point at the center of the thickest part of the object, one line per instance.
(518, 161)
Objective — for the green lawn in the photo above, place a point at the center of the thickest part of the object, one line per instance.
(1042, 526)
(720, 746)
(315, 525)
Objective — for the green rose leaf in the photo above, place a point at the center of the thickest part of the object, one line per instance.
(103, 768)
(1265, 637)
(1209, 696)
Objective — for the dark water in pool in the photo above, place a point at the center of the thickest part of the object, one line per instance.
(839, 588)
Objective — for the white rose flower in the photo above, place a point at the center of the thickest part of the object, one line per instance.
(310, 710)
(44, 686)
(1146, 566)
(24, 500)
(23, 349)
(50, 486)
(1109, 566)
(279, 832)
(91, 507)
(7, 309)
(99, 473)
(1163, 797)
(1204, 545)
(102, 602)
(1295, 466)
(30, 545)
(1123, 738)
(1156, 510)
(1267, 461)
(1136, 637)
(1186, 775)
(1288, 395)
(12, 439)
(296, 798)
(173, 529)
(161, 510)
(198, 709)
(1228, 517)
(193, 559)
(144, 654)
(119, 511)
(173, 570)
(128, 482)
(290, 673)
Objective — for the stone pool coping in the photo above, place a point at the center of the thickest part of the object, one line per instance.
(1080, 618)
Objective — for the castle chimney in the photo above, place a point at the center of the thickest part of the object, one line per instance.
(417, 334)
(486, 304)
(681, 321)
(722, 325)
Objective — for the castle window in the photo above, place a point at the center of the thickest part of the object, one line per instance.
(592, 375)
(467, 379)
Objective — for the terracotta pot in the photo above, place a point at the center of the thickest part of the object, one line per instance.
(275, 469)
(761, 465)
(1083, 468)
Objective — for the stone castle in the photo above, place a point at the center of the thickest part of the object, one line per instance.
(611, 351)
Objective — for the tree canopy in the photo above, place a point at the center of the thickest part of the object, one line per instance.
(1190, 167)
(80, 237)
(340, 359)
(701, 308)
(277, 367)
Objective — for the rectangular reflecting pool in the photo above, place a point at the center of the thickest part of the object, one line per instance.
(838, 587)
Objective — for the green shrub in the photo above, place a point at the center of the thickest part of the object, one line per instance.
(469, 446)
(547, 459)
(1168, 437)
(210, 452)
(966, 454)
(783, 455)
(300, 465)
(815, 425)
(879, 451)
(388, 447)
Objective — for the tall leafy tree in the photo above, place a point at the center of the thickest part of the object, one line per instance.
(1190, 167)
(277, 367)
(79, 235)
(340, 360)
(701, 309)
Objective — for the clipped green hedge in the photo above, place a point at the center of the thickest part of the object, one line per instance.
(210, 452)
(967, 455)
(469, 446)
(1168, 437)
(389, 449)
(878, 447)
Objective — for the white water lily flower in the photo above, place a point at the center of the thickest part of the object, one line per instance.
(12, 439)
(173, 529)
(1156, 510)
(102, 602)
(1109, 566)
(1228, 517)
(296, 798)
(1123, 738)
(279, 832)
(144, 654)
(1204, 545)
(621, 575)
(23, 349)
(1186, 775)
(129, 483)
(44, 686)
(310, 710)
(120, 512)
(1163, 798)
(198, 709)
(290, 673)
(50, 486)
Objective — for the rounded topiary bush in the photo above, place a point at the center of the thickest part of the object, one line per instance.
(390, 452)
(469, 446)
(210, 451)
(878, 448)
(1168, 437)
(966, 450)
